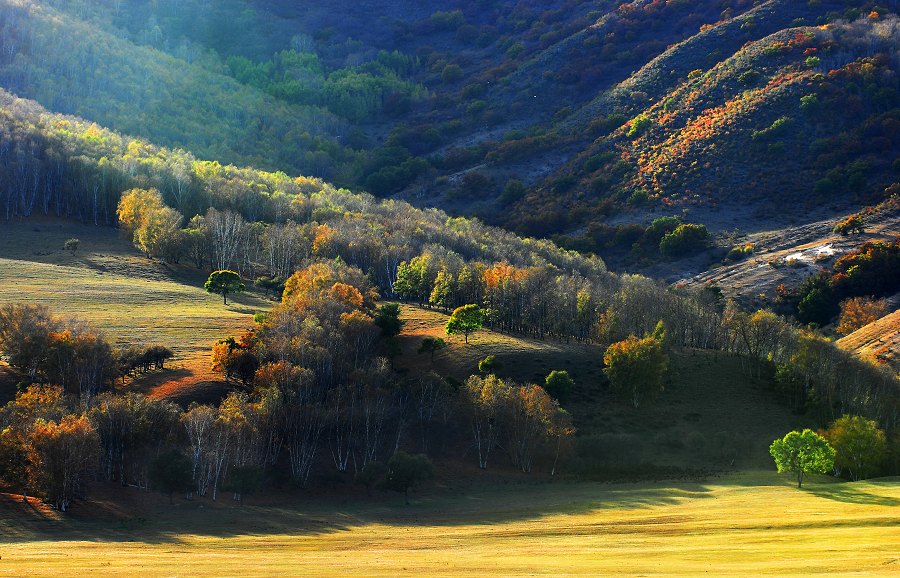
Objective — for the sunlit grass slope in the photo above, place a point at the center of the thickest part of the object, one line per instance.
(129, 298)
(746, 525)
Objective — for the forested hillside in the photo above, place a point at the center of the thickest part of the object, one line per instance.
(583, 118)
(235, 142)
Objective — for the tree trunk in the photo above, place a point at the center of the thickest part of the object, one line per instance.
(556, 457)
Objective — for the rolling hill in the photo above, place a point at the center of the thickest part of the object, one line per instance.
(747, 115)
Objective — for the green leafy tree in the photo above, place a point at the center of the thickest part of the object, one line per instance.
(860, 446)
(686, 238)
(387, 318)
(71, 245)
(224, 282)
(407, 471)
(440, 294)
(465, 320)
(802, 453)
(171, 472)
(559, 384)
(432, 344)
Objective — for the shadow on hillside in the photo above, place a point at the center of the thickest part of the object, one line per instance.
(131, 515)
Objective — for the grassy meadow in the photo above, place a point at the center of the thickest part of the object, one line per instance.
(133, 300)
(741, 525)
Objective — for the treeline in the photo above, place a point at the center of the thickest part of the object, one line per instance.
(316, 398)
(69, 168)
(69, 353)
(74, 67)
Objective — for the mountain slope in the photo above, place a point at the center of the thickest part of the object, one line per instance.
(75, 67)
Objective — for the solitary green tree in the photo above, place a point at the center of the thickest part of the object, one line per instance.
(71, 245)
(406, 471)
(432, 344)
(224, 282)
(559, 384)
(489, 365)
(859, 445)
(802, 453)
(466, 319)
(388, 319)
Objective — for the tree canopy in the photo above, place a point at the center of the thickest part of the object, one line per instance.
(802, 453)
(465, 320)
(223, 283)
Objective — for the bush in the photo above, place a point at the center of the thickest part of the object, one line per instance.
(638, 126)
(559, 385)
(749, 78)
(686, 238)
(451, 73)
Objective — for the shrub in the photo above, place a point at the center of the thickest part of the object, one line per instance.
(638, 126)
(451, 73)
(686, 238)
(749, 77)
(559, 385)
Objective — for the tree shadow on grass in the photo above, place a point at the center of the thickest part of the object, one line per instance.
(148, 518)
(852, 493)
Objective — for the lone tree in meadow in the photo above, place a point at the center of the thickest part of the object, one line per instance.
(224, 282)
(559, 384)
(387, 318)
(802, 453)
(432, 344)
(466, 319)
(71, 245)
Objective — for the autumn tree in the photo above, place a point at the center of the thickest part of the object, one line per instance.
(857, 312)
(802, 453)
(860, 445)
(223, 283)
(154, 227)
(486, 399)
(60, 455)
(465, 320)
(636, 367)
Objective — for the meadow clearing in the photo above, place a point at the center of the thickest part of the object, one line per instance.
(747, 524)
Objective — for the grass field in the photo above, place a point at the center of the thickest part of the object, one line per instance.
(741, 525)
(131, 299)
